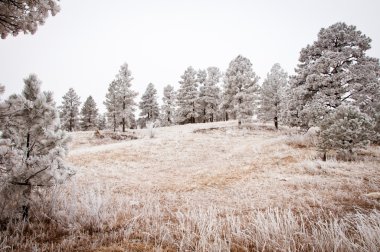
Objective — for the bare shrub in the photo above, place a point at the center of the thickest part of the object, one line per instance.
(150, 128)
(307, 140)
(120, 136)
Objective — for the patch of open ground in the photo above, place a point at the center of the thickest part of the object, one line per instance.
(221, 164)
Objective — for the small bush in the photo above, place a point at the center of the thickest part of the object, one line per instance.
(346, 130)
(307, 140)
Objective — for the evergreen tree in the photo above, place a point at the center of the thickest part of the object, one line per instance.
(168, 106)
(24, 15)
(102, 121)
(241, 88)
(2, 109)
(209, 95)
(187, 97)
(126, 96)
(273, 95)
(113, 105)
(334, 70)
(226, 107)
(69, 110)
(89, 114)
(32, 145)
(345, 130)
(148, 104)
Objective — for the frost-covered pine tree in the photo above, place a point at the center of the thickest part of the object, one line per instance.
(32, 145)
(2, 90)
(126, 96)
(226, 106)
(2, 107)
(201, 78)
(102, 121)
(148, 104)
(345, 130)
(89, 114)
(24, 15)
(187, 97)
(334, 70)
(69, 110)
(209, 95)
(113, 105)
(168, 106)
(241, 88)
(273, 95)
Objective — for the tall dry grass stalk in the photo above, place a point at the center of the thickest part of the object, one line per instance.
(74, 217)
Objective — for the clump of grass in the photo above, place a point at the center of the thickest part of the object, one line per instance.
(306, 140)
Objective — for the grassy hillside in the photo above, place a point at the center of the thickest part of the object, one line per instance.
(207, 187)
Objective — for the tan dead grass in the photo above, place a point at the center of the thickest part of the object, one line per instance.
(192, 188)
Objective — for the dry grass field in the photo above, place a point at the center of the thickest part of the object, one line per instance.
(206, 187)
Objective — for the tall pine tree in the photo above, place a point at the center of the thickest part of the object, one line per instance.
(69, 110)
(126, 96)
(241, 88)
(273, 95)
(113, 105)
(187, 97)
(209, 95)
(168, 106)
(334, 71)
(148, 104)
(89, 114)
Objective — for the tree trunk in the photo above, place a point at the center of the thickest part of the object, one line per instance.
(71, 121)
(114, 123)
(26, 194)
(27, 145)
(124, 115)
(226, 116)
(276, 122)
(26, 203)
(212, 118)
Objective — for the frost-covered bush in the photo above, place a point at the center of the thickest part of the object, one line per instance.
(32, 146)
(306, 140)
(345, 130)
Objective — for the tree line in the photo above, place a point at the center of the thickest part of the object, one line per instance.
(336, 87)
(200, 98)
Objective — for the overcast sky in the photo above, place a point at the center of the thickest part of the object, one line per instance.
(84, 45)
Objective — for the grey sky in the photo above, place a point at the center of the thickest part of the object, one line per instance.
(85, 44)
